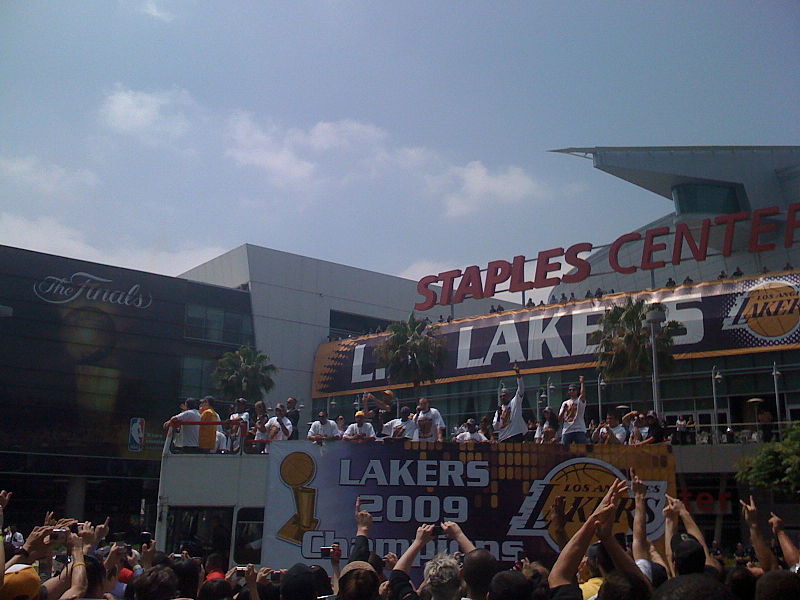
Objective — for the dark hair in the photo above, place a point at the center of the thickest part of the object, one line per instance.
(693, 587)
(378, 564)
(156, 583)
(210, 400)
(741, 581)
(479, 568)
(778, 585)
(621, 586)
(188, 572)
(192, 403)
(510, 585)
(95, 574)
(322, 581)
(161, 558)
(215, 561)
(359, 584)
(215, 589)
(599, 560)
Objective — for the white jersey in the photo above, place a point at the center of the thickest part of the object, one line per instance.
(572, 415)
(508, 419)
(329, 429)
(428, 424)
(408, 427)
(280, 436)
(365, 429)
(466, 436)
(190, 434)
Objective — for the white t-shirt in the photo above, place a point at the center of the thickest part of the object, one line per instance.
(515, 423)
(620, 432)
(572, 412)
(408, 428)
(280, 436)
(260, 435)
(236, 430)
(366, 429)
(329, 429)
(466, 436)
(190, 433)
(222, 442)
(427, 425)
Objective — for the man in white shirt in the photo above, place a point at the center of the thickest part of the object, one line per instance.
(323, 430)
(428, 423)
(189, 433)
(279, 427)
(573, 429)
(471, 434)
(239, 416)
(508, 421)
(360, 431)
(402, 428)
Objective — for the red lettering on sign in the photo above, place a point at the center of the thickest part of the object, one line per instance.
(613, 253)
(649, 248)
(730, 225)
(683, 232)
(470, 285)
(757, 228)
(544, 266)
(497, 272)
(704, 502)
(791, 224)
(426, 292)
(518, 283)
(584, 268)
(447, 278)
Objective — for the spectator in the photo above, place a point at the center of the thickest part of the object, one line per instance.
(215, 566)
(428, 423)
(189, 433)
(208, 432)
(471, 434)
(238, 417)
(279, 427)
(655, 433)
(260, 426)
(361, 430)
(215, 589)
(293, 415)
(509, 422)
(478, 570)
(571, 415)
(341, 424)
(778, 585)
(402, 427)
(323, 430)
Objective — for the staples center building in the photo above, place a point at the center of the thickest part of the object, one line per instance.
(96, 357)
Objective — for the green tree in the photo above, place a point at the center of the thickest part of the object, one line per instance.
(776, 465)
(412, 352)
(245, 373)
(623, 341)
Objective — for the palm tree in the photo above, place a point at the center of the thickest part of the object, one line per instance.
(624, 344)
(245, 373)
(412, 352)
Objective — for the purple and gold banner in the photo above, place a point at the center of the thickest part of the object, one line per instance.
(726, 317)
(500, 495)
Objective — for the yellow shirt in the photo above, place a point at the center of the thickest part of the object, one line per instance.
(208, 433)
(591, 587)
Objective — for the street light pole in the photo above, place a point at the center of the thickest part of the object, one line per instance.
(775, 375)
(654, 318)
(600, 385)
(716, 377)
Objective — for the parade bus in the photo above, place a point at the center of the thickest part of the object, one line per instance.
(282, 504)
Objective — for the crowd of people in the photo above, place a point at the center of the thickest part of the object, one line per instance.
(66, 560)
(198, 427)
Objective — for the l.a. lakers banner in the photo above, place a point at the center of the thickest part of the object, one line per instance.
(727, 317)
(501, 495)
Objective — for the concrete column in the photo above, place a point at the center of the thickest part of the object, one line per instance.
(76, 498)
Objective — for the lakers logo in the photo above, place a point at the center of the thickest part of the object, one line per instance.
(770, 310)
(582, 482)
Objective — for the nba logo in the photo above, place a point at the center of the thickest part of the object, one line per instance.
(136, 437)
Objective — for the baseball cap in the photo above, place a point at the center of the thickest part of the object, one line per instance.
(298, 583)
(356, 565)
(687, 553)
(360, 413)
(21, 582)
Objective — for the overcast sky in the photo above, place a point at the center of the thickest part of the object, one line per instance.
(403, 137)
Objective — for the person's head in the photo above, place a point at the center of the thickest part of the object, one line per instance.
(504, 397)
(651, 417)
(95, 576)
(688, 555)
(156, 583)
(323, 417)
(378, 564)
(261, 408)
(621, 586)
(404, 413)
(291, 402)
(21, 582)
(298, 583)
(510, 585)
(472, 425)
(241, 405)
(280, 411)
(692, 587)
(741, 582)
(424, 404)
(215, 562)
(444, 577)
(207, 403)
(340, 421)
(322, 581)
(612, 419)
(739, 547)
(479, 568)
(573, 390)
(778, 585)
(192, 404)
(215, 589)
(360, 417)
(188, 573)
(358, 581)
(598, 561)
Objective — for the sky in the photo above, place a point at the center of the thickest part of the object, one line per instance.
(402, 137)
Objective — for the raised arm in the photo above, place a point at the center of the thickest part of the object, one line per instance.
(582, 393)
(424, 535)
(764, 554)
(79, 582)
(454, 532)
(641, 547)
(790, 552)
(695, 531)
(670, 529)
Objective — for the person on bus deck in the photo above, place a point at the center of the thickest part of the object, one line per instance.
(238, 417)
(189, 433)
(361, 430)
(429, 423)
(571, 415)
(655, 433)
(508, 421)
(400, 428)
(208, 431)
(293, 415)
(279, 427)
(323, 430)
(471, 434)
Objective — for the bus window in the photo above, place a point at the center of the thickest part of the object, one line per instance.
(249, 532)
(199, 530)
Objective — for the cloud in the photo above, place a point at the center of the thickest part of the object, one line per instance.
(337, 135)
(149, 8)
(49, 179)
(421, 268)
(471, 188)
(267, 150)
(45, 234)
(148, 116)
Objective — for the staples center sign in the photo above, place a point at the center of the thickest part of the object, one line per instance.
(472, 284)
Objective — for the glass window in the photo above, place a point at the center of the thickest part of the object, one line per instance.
(215, 323)
(218, 325)
(199, 530)
(195, 320)
(249, 533)
(718, 199)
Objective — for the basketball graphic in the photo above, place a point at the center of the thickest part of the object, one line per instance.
(773, 309)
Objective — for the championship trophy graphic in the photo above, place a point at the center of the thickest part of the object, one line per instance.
(296, 471)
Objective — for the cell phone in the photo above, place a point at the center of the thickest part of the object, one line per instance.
(437, 530)
(176, 555)
(325, 551)
(275, 576)
(59, 534)
(146, 537)
(74, 527)
(241, 569)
